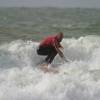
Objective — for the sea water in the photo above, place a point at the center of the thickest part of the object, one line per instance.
(20, 75)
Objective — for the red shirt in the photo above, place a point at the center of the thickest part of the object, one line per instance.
(49, 42)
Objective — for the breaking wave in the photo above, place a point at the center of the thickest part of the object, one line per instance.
(21, 78)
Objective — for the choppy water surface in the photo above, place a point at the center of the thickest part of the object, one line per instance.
(28, 23)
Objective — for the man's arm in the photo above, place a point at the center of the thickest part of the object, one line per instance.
(56, 45)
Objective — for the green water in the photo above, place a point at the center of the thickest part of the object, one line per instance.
(37, 23)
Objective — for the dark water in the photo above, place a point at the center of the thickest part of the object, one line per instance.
(36, 23)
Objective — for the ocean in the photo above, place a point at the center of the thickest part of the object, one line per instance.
(22, 29)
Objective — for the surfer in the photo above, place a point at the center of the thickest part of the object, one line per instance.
(50, 47)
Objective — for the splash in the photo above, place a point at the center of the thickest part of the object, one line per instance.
(21, 79)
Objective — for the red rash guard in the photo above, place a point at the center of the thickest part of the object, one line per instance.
(49, 42)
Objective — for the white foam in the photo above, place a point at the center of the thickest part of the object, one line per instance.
(21, 79)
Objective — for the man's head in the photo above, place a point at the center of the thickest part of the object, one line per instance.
(59, 36)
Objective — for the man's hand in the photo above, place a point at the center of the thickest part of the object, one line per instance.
(61, 54)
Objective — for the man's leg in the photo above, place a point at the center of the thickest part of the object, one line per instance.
(42, 51)
(46, 51)
(51, 56)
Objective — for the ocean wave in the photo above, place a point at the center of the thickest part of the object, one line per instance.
(21, 78)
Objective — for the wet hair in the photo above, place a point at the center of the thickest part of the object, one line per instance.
(60, 36)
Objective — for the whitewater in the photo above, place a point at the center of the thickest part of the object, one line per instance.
(22, 79)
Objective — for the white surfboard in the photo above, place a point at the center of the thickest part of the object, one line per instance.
(49, 68)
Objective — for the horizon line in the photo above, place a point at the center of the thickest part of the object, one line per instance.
(48, 7)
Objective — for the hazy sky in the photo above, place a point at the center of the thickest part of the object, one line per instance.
(51, 3)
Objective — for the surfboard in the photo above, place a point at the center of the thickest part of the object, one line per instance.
(47, 69)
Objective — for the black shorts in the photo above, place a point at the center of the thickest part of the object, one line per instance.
(46, 50)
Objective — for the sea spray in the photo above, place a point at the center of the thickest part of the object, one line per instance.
(22, 79)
